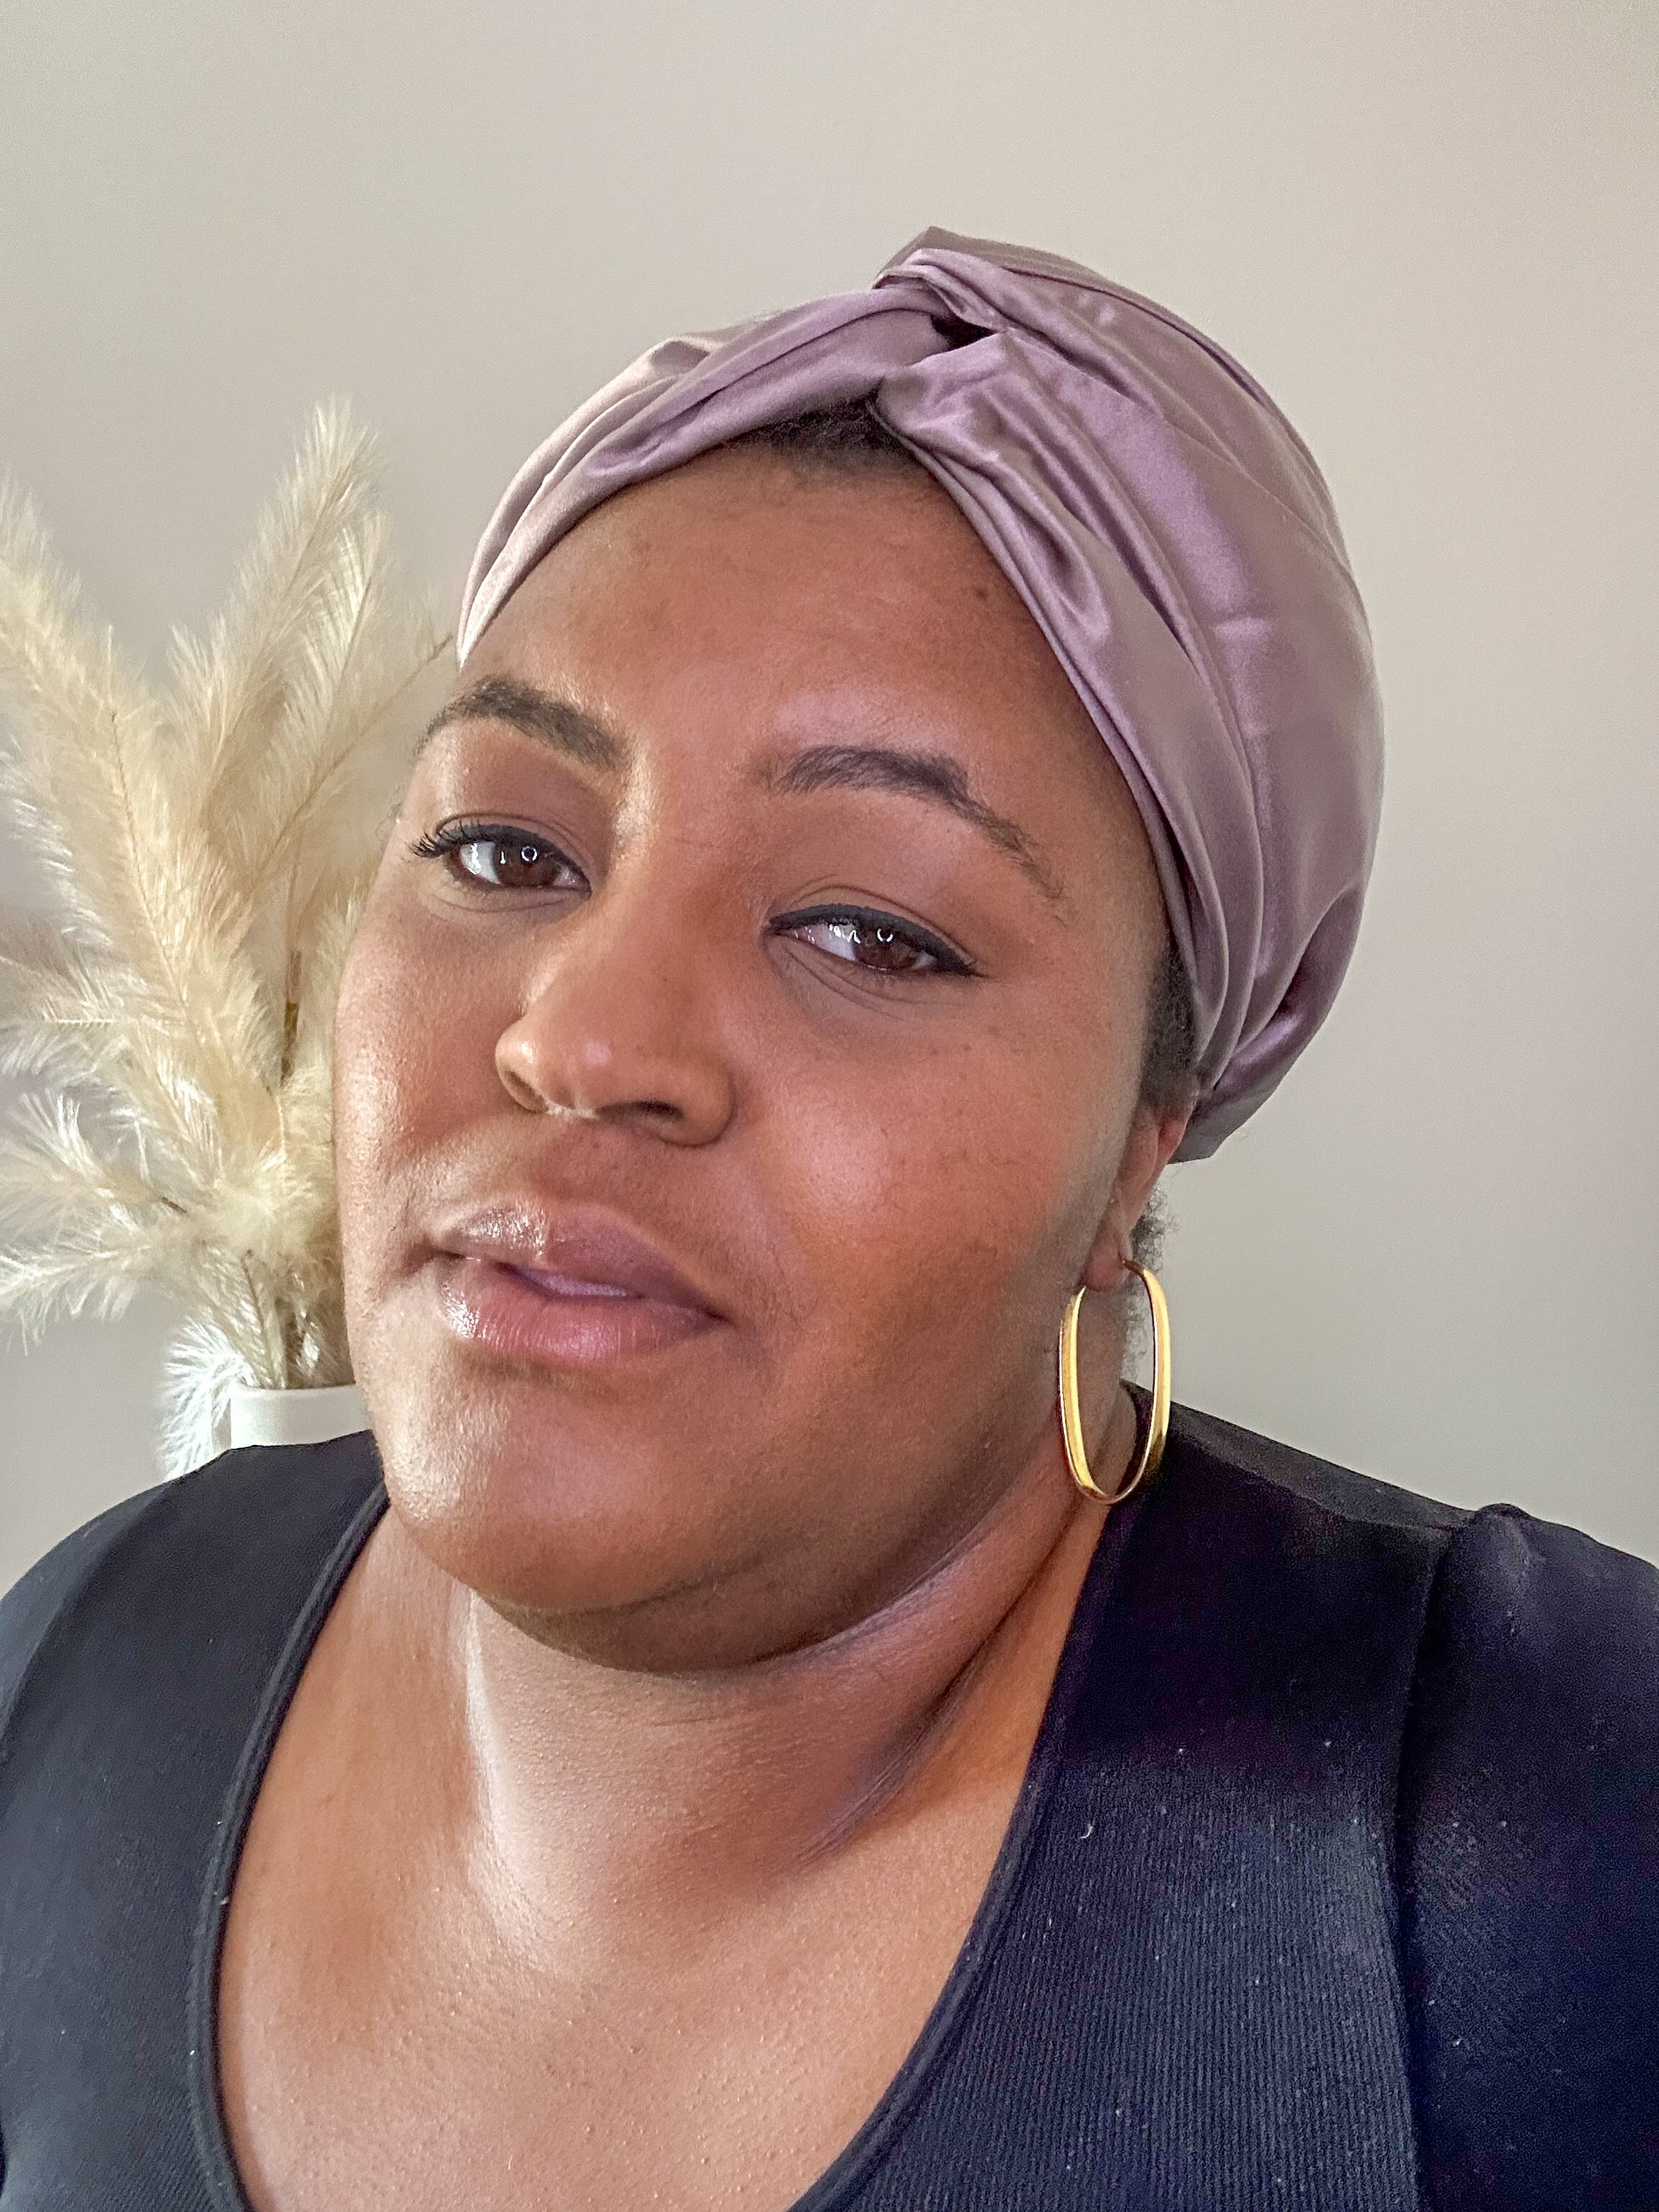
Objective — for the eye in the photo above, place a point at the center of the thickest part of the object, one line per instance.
(880, 943)
(501, 858)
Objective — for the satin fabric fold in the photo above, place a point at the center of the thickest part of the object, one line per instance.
(1168, 530)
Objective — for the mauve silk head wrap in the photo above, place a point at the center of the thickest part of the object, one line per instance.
(1165, 525)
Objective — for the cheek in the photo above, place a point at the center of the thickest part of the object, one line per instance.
(414, 1060)
(942, 1206)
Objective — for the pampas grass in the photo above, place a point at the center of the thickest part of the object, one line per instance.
(207, 845)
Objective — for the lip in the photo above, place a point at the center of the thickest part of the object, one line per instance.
(563, 1290)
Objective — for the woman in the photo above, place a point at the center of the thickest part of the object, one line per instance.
(913, 773)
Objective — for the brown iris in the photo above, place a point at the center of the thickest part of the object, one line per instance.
(520, 865)
(883, 948)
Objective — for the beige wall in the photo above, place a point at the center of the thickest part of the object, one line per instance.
(1430, 229)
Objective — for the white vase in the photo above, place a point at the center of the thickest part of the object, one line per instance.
(296, 1417)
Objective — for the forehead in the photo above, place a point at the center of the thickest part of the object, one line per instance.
(770, 572)
(745, 603)
(765, 566)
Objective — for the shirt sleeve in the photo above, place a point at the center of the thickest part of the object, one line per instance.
(1528, 1871)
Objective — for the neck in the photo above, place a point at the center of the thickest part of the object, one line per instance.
(598, 1792)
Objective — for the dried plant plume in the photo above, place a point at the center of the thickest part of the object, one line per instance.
(207, 844)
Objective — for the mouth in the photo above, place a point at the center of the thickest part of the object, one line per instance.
(563, 1291)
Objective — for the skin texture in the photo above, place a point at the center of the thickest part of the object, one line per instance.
(648, 1772)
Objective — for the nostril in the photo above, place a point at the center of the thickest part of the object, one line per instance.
(520, 1092)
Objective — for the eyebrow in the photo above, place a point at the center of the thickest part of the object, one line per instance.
(582, 737)
(916, 775)
(928, 776)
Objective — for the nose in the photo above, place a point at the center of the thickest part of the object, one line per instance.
(618, 1024)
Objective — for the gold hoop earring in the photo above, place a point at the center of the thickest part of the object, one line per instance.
(1071, 1409)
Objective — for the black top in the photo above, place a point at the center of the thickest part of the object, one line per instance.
(1333, 1883)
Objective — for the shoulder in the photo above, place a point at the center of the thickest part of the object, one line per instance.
(1533, 1740)
(40, 1598)
(1504, 1670)
(141, 1663)
(1543, 1645)
(1282, 1482)
(1269, 1607)
(238, 1538)
(1530, 1641)
(1528, 1863)
(1270, 1572)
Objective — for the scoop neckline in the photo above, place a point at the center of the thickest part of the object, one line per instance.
(879, 2133)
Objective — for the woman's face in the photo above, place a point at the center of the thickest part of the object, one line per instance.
(737, 1064)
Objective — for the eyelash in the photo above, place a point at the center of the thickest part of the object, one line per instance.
(453, 838)
(886, 927)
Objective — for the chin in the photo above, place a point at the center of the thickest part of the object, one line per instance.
(538, 1499)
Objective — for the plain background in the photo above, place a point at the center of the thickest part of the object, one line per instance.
(1430, 230)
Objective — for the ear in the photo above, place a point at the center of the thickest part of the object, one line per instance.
(1153, 1135)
